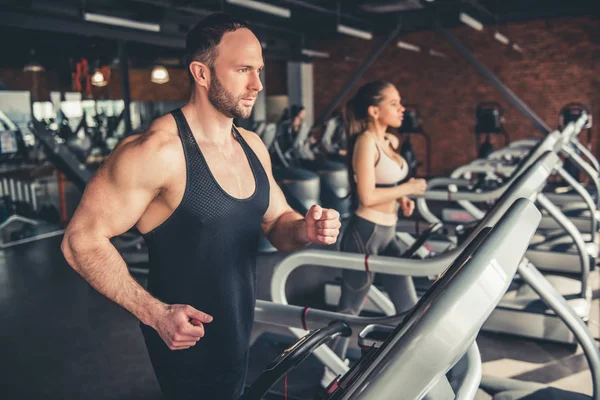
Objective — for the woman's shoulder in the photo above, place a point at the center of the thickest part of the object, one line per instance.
(365, 138)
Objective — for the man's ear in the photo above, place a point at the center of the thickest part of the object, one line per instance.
(201, 73)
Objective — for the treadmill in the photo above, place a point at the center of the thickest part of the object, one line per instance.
(430, 351)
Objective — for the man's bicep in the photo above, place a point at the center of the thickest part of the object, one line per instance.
(115, 199)
(278, 206)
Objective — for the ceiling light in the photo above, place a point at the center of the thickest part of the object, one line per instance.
(501, 38)
(408, 46)
(436, 53)
(518, 48)
(33, 65)
(315, 53)
(127, 23)
(264, 7)
(98, 79)
(159, 75)
(354, 32)
(472, 22)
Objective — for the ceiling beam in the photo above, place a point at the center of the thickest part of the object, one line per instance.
(51, 24)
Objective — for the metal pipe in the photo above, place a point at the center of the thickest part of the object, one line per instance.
(586, 168)
(587, 198)
(572, 230)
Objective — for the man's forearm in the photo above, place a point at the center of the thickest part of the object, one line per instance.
(101, 265)
(289, 232)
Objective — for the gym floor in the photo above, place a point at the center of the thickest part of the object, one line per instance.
(60, 339)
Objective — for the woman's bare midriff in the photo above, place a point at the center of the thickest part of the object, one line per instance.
(386, 215)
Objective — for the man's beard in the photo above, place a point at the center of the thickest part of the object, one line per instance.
(225, 102)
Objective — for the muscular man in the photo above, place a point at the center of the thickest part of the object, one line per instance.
(200, 191)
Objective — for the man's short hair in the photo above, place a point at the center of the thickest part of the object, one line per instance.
(202, 40)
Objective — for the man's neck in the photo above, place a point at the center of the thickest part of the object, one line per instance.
(207, 123)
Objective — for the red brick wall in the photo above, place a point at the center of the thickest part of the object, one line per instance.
(560, 64)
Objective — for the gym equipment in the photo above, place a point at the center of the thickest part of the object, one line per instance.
(571, 112)
(551, 249)
(334, 187)
(259, 127)
(19, 206)
(490, 121)
(300, 186)
(522, 313)
(333, 140)
(571, 203)
(12, 146)
(268, 135)
(411, 125)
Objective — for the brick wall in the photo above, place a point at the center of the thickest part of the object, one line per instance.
(560, 64)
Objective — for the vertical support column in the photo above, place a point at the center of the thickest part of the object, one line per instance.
(125, 92)
(300, 88)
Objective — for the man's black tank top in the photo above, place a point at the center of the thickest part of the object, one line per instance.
(204, 255)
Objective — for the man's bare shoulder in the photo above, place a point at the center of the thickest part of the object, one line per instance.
(255, 142)
(160, 139)
(154, 151)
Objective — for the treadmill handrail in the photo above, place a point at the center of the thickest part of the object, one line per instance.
(588, 154)
(586, 168)
(572, 230)
(517, 152)
(587, 198)
(529, 142)
(293, 356)
(550, 161)
(470, 384)
(484, 167)
(292, 316)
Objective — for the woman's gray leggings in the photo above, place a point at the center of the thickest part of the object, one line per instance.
(365, 237)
